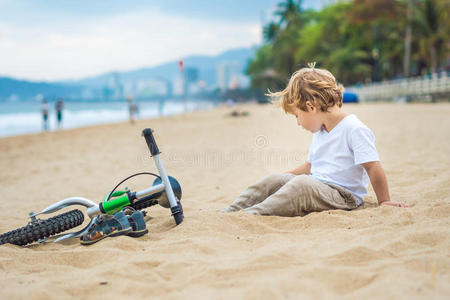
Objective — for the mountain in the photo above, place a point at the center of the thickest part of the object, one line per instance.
(206, 66)
(205, 69)
(12, 89)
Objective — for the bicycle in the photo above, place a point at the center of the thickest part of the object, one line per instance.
(165, 191)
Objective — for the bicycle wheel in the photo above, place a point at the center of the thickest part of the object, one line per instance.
(43, 228)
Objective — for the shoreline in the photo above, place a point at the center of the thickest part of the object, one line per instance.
(82, 114)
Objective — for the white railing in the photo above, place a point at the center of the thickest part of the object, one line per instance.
(425, 88)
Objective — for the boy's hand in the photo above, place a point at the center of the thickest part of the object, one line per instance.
(390, 203)
(303, 169)
(379, 184)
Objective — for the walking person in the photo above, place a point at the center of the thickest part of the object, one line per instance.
(44, 112)
(133, 109)
(59, 111)
(161, 107)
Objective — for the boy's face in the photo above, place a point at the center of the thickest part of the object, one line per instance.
(309, 120)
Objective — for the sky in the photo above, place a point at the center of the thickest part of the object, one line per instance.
(59, 40)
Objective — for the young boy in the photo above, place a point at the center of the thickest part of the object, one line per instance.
(341, 159)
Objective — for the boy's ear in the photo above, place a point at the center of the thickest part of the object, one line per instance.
(310, 106)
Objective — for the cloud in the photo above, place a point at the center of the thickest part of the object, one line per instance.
(85, 47)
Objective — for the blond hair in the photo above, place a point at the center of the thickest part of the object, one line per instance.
(317, 86)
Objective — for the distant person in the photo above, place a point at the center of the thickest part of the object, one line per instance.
(236, 111)
(59, 112)
(342, 157)
(44, 112)
(133, 109)
(161, 104)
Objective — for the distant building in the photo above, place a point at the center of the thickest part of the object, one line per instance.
(191, 75)
(190, 80)
(169, 88)
(234, 83)
(223, 74)
(151, 87)
(230, 76)
(178, 86)
(115, 87)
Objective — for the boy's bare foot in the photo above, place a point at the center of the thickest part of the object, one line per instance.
(229, 209)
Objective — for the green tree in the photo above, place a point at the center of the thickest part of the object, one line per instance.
(335, 44)
(289, 13)
(432, 33)
(270, 32)
(356, 40)
(261, 71)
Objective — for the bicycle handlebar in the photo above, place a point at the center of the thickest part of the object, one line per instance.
(151, 143)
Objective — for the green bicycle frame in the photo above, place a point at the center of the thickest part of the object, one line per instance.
(117, 201)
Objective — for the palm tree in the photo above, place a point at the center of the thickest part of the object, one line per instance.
(289, 12)
(285, 45)
(408, 39)
(431, 21)
(270, 32)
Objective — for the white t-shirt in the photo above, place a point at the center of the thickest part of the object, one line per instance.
(336, 156)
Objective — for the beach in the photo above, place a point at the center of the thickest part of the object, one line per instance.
(377, 252)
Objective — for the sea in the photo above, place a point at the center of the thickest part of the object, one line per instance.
(20, 117)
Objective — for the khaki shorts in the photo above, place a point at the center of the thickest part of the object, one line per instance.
(289, 195)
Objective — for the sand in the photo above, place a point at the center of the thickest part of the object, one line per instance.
(377, 252)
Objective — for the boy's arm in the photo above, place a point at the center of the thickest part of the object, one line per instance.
(302, 169)
(379, 183)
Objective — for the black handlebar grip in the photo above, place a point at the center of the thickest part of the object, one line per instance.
(151, 143)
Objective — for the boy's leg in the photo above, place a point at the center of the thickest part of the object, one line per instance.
(259, 191)
(302, 195)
